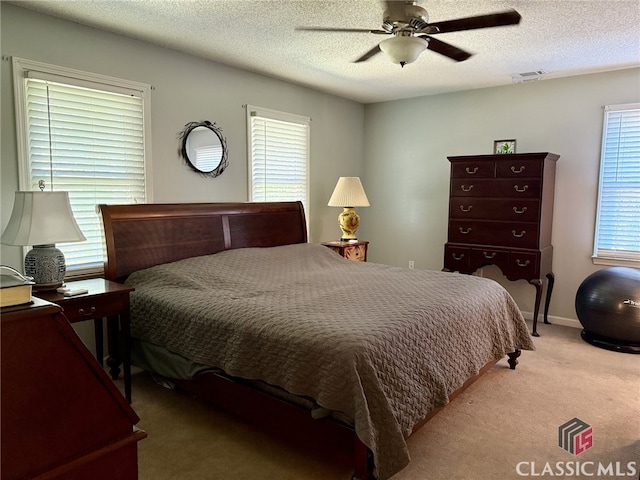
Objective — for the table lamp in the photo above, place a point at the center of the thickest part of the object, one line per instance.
(42, 219)
(349, 194)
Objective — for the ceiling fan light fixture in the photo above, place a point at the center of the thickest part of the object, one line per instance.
(404, 49)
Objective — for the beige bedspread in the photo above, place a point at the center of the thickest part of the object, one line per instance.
(382, 345)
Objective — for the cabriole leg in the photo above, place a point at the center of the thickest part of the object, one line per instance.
(551, 280)
(538, 284)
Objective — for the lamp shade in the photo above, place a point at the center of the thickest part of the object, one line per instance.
(404, 49)
(41, 218)
(348, 193)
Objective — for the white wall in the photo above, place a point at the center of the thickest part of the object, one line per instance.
(186, 89)
(407, 172)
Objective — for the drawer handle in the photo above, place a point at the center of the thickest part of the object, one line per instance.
(91, 311)
(489, 255)
(523, 189)
(520, 263)
(471, 172)
(466, 188)
(457, 257)
(466, 209)
(518, 235)
(464, 231)
(520, 170)
(520, 211)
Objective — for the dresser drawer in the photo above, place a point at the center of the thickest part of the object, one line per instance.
(519, 235)
(522, 265)
(514, 264)
(511, 209)
(488, 256)
(519, 168)
(473, 169)
(456, 258)
(499, 187)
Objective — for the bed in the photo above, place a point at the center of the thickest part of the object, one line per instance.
(232, 304)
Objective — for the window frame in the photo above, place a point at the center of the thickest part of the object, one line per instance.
(283, 117)
(22, 68)
(603, 256)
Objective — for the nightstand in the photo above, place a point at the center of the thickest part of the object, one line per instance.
(105, 299)
(356, 251)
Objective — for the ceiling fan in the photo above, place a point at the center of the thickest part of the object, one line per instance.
(408, 23)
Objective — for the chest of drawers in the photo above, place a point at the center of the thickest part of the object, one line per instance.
(500, 213)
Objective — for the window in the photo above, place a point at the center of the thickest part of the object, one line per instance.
(84, 134)
(617, 238)
(278, 156)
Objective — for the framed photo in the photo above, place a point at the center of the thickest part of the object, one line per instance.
(504, 146)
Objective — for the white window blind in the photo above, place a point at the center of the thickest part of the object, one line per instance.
(278, 156)
(88, 141)
(617, 238)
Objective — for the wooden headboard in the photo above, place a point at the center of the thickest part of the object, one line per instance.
(143, 235)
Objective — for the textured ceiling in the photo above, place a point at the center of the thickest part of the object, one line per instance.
(562, 37)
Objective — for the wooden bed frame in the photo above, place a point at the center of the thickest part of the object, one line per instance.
(144, 235)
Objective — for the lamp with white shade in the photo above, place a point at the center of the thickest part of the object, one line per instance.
(42, 219)
(349, 194)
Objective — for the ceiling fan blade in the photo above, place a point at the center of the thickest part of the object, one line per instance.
(332, 29)
(375, 50)
(510, 17)
(447, 49)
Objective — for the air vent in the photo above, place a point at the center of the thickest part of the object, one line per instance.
(528, 76)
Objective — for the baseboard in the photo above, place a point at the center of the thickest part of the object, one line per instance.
(567, 322)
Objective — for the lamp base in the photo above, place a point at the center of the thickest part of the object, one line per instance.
(46, 265)
(349, 222)
(46, 287)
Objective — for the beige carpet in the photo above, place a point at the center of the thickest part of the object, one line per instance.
(505, 418)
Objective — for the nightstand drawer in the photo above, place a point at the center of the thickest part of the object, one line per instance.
(81, 308)
(355, 251)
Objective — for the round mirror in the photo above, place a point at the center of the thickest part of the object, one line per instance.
(204, 148)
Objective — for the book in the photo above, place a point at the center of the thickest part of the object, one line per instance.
(15, 288)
